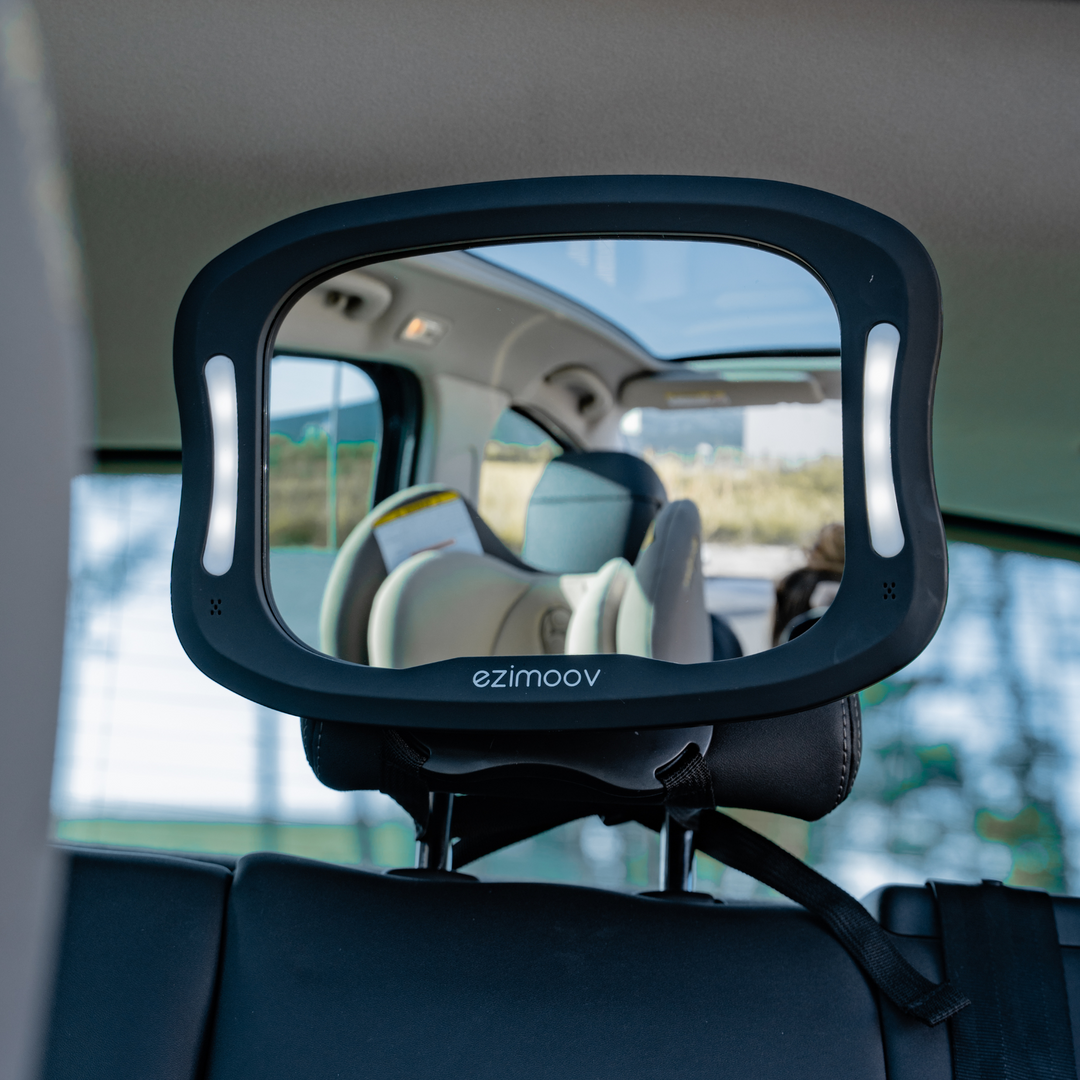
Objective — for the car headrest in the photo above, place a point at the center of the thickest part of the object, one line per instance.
(589, 507)
(802, 765)
(421, 518)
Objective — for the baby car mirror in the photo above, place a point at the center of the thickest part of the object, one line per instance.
(500, 456)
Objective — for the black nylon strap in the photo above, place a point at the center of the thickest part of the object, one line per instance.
(1001, 947)
(729, 842)
(485, 824)
(687, 780)
(494, 823)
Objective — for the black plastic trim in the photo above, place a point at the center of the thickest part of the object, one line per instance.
(1010, 536)
(753, 354)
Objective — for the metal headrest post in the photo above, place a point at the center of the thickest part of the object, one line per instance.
(433, 844)
(676, 857)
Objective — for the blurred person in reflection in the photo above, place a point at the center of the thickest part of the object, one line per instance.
(803, 596)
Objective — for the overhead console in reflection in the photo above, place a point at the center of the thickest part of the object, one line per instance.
(682, 389)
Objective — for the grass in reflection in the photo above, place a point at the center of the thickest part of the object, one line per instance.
(755, 501)
(741, 501)
(299, 489)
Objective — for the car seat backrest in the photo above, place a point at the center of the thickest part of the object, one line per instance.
(418, 518)
(590, 507)
(137, 966)
(331, 971)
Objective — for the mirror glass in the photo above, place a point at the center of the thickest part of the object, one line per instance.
(622, 446)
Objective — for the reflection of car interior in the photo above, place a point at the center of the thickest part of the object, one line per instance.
(481, 339)
(475, 598)
(804, 595)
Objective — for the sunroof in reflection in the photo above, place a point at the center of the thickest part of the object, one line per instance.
(685, 298)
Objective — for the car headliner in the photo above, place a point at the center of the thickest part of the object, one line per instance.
(189, 126)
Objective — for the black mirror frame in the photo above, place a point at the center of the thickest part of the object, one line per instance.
(875, 270)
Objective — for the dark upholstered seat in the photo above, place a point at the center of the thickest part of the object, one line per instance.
(337, 972)
(137, 966)
(328, 971)
(916, 1052)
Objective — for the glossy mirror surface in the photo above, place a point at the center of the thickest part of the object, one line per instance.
(623, 446)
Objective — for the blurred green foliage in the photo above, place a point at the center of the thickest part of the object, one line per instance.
(299, 490)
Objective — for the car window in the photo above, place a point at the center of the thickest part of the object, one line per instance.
(968, 762)
(766, 479)
(151, 752)
(325, 434)
(325, 430)
(514, 459)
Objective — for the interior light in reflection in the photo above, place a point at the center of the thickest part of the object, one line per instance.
(221, 533)
(886, 532)
(423, 330)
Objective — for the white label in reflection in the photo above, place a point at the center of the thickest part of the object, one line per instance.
(438, 523)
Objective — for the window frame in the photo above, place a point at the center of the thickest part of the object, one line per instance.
(401, 407)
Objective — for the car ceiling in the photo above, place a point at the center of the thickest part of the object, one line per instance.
(191, 125)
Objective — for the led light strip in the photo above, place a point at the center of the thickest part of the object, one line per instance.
(879, 369)
(221, 533)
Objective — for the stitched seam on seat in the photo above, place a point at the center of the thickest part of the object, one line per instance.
(318, 749)
(844, 766)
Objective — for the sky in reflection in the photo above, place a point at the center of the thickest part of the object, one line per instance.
(683, 298)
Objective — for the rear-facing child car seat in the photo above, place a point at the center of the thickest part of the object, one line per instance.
(452, 594)
(593, 506)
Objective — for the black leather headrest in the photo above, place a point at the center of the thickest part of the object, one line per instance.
(802, 765)
(590, 507)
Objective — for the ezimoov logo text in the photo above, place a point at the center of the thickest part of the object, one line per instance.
(503, 678)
